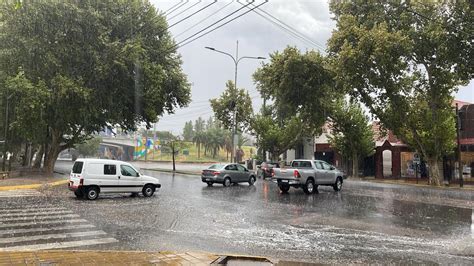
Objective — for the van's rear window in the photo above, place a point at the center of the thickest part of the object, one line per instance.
(77, 168)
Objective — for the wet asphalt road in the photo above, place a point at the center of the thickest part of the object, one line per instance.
(364, 223)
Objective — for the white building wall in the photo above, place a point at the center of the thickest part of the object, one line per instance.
(290, 155)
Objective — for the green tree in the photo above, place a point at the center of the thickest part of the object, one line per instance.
(199, 125)
(301, 87)
(404, 61)
(188, 132)
(232, 101)
(274, 137)
(84, 65)
(352, 135)
(199, 139)
(89, 147)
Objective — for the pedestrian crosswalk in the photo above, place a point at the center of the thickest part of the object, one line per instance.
(29, 228)
(20, 193)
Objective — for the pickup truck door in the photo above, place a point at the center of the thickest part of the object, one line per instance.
(320, 173)
(330, 177)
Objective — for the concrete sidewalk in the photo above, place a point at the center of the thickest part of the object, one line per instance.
(67, 257)
(16, 183)
(71, 257)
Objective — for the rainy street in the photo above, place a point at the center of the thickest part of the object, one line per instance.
(364, 223)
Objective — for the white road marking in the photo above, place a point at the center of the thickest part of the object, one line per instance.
(50, 236)
(67, 244)
(36, 213)
(42, 222)
(19, 193)
(39, 217)
(40, 229)
(23, 210)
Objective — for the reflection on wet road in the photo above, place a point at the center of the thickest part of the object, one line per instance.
(363, 223)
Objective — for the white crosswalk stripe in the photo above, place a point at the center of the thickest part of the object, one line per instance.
(29, 228)
(20, 193)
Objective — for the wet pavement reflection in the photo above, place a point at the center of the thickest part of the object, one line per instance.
(363, 223)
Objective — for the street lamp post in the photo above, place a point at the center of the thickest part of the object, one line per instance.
(5, 141)
(236, 60)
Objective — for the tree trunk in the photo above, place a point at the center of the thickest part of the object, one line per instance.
(434, 174)
(355, 165)
(52, 152)
(199, 150)
(39, 157)
(174, 165)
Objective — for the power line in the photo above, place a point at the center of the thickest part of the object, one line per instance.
(172, 7)
(178, 7)
(289, 29)
(197, 3)
(204, 34)
(215, 1)
(213, 24)
(202, 20)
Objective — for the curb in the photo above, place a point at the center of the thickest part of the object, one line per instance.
(420, 185)
(171, 171)
(34, 186)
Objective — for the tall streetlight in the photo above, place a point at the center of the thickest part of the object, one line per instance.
(236, 60)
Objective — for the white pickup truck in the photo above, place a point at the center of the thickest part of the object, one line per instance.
(308, 174)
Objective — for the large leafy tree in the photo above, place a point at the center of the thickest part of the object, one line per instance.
(404, 60)
(351, 133)
(85, 65)
(301, 89)
(233, 100)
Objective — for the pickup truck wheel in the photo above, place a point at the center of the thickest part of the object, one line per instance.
(209, 184)
(338, 185)
(309, 187)
(252, 180)
(227, 182)
(284, 188)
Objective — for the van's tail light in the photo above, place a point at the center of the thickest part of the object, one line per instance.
(81, 182)
(216, 173)
(296, 174)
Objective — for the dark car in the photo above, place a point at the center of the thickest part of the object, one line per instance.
(227, 174)
(266, 169)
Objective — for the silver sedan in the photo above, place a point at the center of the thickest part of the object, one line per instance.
(227, 174)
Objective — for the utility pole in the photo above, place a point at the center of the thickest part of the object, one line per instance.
(458, 137)
(5, 142)
(236, 60)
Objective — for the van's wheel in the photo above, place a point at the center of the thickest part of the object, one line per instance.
(79, 194)
(92, 193)
(252, 180)
(338, 185)
(209, 184)
(284, 188)
(309, 187)
(148, 190)
(227, 182)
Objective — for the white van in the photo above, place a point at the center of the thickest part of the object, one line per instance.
(89, 177)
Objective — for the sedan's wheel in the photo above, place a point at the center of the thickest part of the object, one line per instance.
(92, 193)
(227, 182)
(284, 188)
(338, 185)
(252, 180)
(309, 187)
(148, 190)
(79, 193)
(209, 184)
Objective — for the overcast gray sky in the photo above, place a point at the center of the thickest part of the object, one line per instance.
(208, 71)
